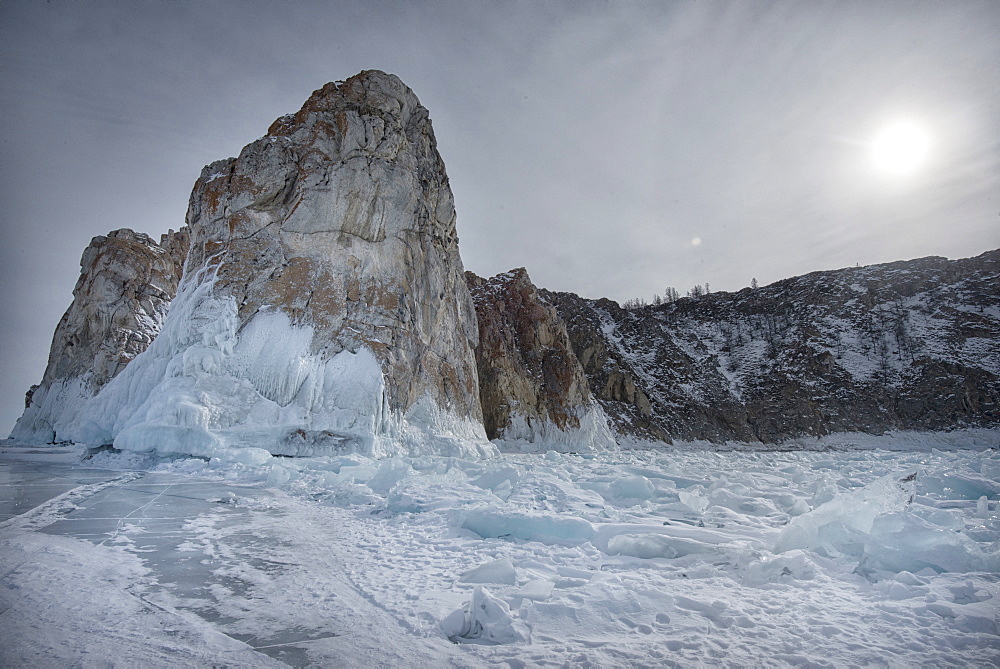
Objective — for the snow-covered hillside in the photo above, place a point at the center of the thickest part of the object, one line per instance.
(838, 554)
(906, 345)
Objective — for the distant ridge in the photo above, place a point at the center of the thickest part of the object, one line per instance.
(909, 345)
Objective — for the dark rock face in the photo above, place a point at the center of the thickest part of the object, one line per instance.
(527, 368)
(29, 394)
(906, 345)
(645, 384)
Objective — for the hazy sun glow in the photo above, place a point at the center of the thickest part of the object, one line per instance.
(900, 147)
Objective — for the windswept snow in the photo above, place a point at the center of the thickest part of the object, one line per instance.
(853, 555)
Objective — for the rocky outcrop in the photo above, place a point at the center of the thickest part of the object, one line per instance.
(906, 345)
(323, 306)
(531, 384)
(176, 244)
(126, 283)
(342, 218)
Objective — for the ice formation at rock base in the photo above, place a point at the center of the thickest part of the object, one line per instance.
(126, 284)
(205, 388)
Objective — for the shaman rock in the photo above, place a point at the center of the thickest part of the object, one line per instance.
(323, 305)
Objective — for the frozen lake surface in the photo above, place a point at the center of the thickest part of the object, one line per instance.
(850, 552)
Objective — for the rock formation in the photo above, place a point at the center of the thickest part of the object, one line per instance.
(342, 218)
(318, 304)
(126, 283)
(649, 401)
(531, 384)
(323, 305)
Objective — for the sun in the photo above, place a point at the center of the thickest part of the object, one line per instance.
(900, 147)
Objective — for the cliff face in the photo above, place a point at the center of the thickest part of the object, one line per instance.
(323, 305)
(126, 283)
(531, 384)
(906, 345)
(342, 218)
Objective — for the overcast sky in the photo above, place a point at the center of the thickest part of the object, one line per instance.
(613, 149)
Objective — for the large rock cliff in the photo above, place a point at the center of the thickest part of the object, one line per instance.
(905, 345)
(645, 385)
(323, 305)
(342, 218)
(531, 384)
(126, 283)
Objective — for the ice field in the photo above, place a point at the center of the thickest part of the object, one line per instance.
(852, 550)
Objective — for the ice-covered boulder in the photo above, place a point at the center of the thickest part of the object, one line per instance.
(323, 307)
(126, 283)
(532, 386)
